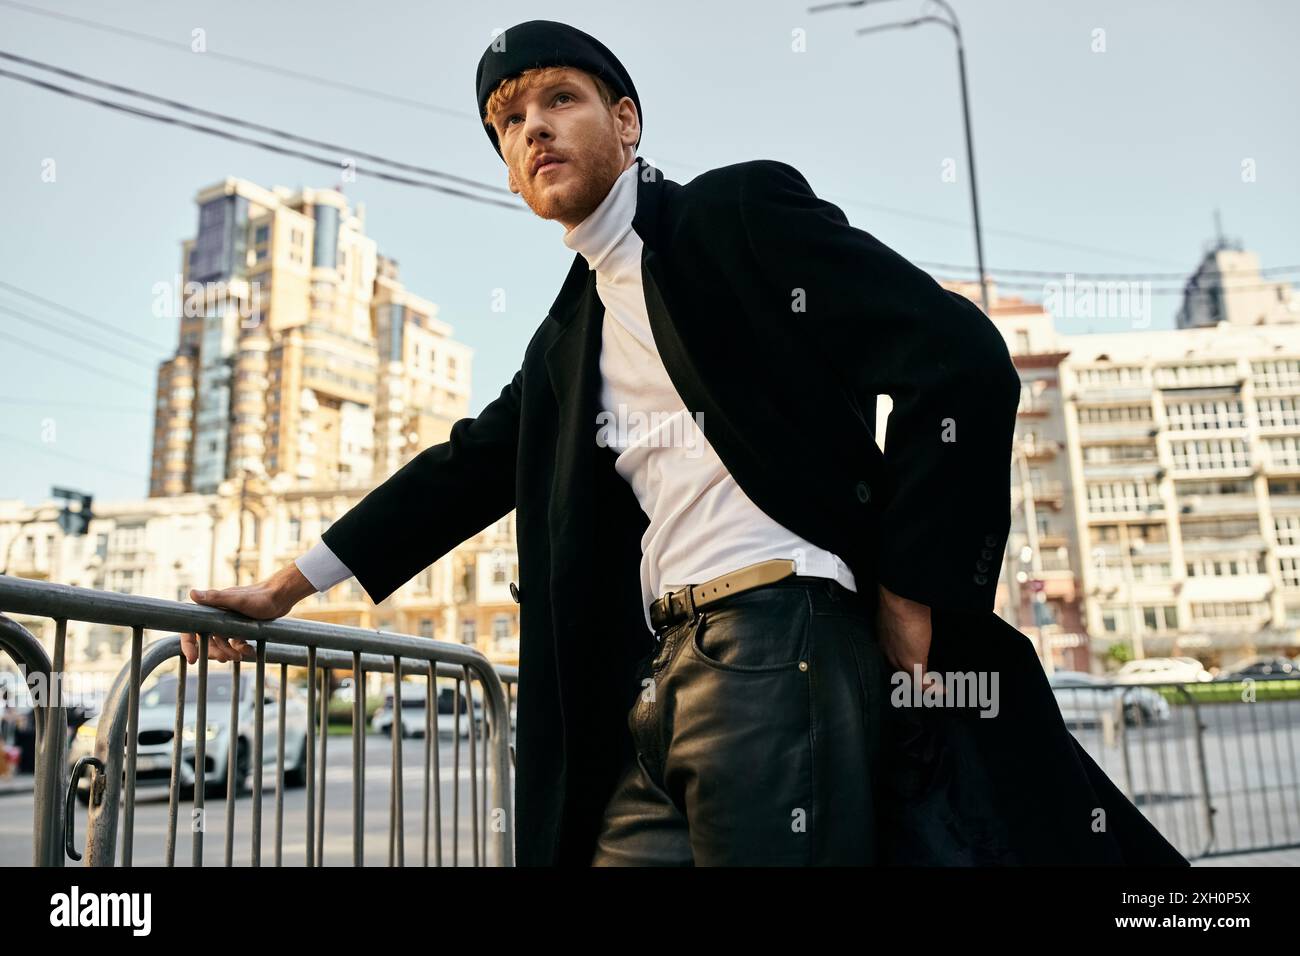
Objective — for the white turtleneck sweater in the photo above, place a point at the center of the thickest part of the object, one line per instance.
(701, 523)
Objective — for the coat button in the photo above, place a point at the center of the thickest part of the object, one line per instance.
(514, 591)
(980, 579)
(991, 540)
(981, 566)
(863, 491)
(987, 554)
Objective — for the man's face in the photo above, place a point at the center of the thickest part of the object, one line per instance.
(591, 142)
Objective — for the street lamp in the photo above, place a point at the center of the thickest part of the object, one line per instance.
(952, 24)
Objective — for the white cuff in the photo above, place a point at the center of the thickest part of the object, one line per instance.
(322, 567)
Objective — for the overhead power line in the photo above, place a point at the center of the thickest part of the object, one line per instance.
(245, 124)
(39, 446)
(59, 331)
(249, 141)
(1152, 276)
(90, 320)
(60, 357)
(84, 406)
(181, 45)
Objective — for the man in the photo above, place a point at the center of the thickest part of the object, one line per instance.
(688, 447)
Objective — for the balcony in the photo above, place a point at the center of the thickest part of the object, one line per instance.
(1218, 504)
(1097, 432)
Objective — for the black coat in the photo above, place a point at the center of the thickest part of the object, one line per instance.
(778, 324)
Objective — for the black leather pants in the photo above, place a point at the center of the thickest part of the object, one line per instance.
(758, 736)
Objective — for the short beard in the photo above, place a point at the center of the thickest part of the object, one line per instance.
(586, 194)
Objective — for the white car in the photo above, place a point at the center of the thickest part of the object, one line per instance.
(153, 766)
(1163, 670)
(1085, 698)
(414, 697)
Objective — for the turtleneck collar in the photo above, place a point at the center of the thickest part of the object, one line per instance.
(598, 235)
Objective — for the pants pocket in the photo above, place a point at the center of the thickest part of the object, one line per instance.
(756, 632)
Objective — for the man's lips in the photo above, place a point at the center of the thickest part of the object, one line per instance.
(549, 164)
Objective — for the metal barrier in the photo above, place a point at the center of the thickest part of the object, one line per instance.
(47, 823)
(317, 646)
(1214, 766)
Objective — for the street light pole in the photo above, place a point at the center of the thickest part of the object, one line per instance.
(952, 24)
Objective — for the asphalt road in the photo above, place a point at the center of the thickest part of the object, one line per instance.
(151, 813)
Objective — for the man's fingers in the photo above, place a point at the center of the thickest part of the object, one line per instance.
(221, 649)
(190, 647)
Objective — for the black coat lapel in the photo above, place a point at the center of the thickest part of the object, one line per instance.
(573, 364)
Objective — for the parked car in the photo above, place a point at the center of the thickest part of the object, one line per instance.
(153, 766)
(1084, 698)
(1263, 668)
(1163, 670)
(414, 698)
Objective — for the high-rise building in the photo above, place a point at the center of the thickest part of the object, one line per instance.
(300, 352)
(1228, 286)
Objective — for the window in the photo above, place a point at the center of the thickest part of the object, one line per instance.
(1117, 375)
(1290, 571)
(1113, 496)
(1284, 452)
(1211, 454)
(1200, 415)
(1182, 376)
(467, 632)
(1114, 413)
(1288, 529)
(1278, 412)
(1278, 373)
(426, 627)
(501, 627)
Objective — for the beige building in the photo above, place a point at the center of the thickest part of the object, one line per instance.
(163, 547)
(300, 352)
(1185, 451)
(1156, 473)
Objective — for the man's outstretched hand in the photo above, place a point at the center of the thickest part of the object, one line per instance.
(904, 629)
(263, 601)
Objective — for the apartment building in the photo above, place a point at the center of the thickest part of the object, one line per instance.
(300, 352)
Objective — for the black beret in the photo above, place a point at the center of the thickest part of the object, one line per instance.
(539, 43)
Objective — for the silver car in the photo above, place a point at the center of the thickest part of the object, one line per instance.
(1084, 698)
(153, 765)
(414, 696)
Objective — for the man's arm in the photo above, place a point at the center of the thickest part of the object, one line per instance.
(889, 328)
(444, 495)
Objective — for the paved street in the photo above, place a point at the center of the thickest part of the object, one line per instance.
(151, 814)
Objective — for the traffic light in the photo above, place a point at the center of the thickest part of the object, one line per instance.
(74, 522)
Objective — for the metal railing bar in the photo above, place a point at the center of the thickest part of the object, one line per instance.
(232, 763)
(311, 754)
(324, 751)
(358, 763)
(174, 788)
(132, 745)
(198, 820)
(259, 730)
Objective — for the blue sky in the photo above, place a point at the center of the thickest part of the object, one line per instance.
(1087, 161)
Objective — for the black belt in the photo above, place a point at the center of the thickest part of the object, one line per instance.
(681, 605)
